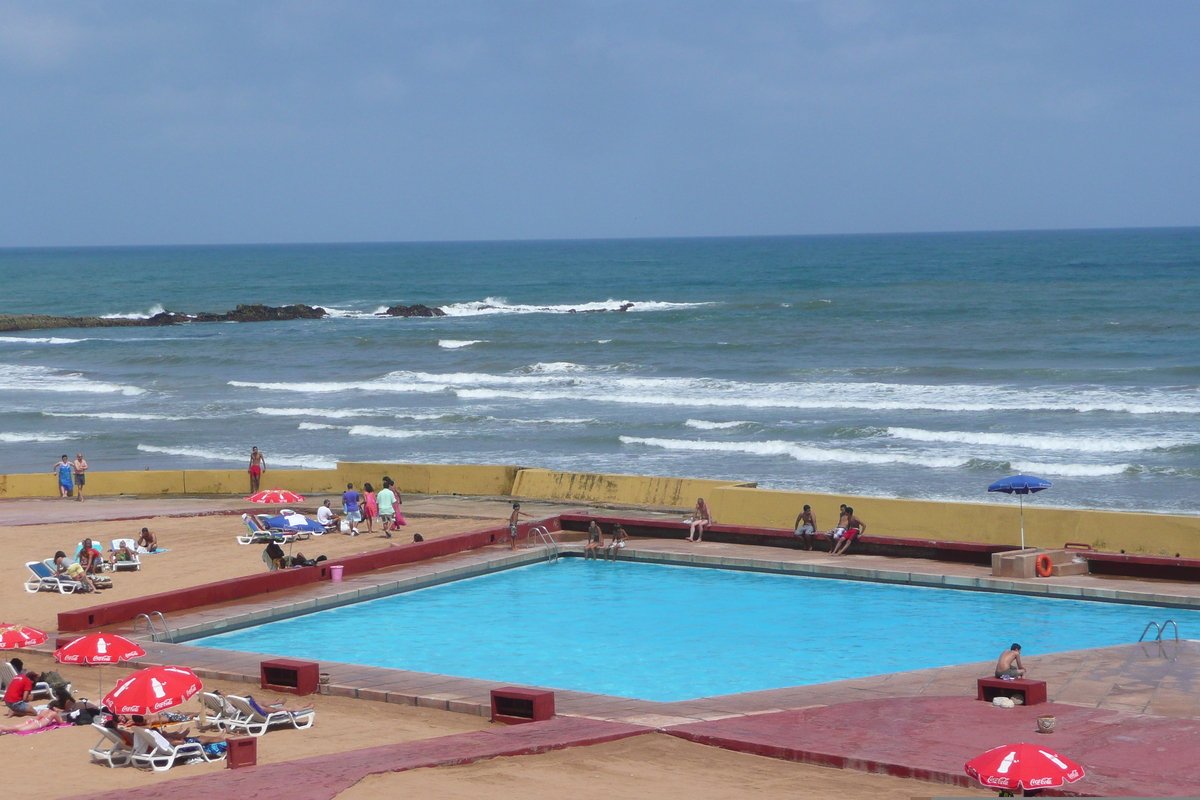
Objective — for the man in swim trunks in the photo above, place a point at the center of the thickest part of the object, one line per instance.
(806, 526)
(512, 524)
(701, 519)
(147, 540)
(63, 469)
(854, 529)
(1009, 665)
(616, 543)
(258, 465)
(78, 467)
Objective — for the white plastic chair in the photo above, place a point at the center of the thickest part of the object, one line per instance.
(151, 750)
(117, 754)
(126, 566)
(42, 578)
(257, 724)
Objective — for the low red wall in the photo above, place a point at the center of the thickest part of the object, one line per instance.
(250, 585)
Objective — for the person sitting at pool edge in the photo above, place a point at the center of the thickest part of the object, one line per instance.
(1009, 665)
(147, 540)
(617, 542)
(594, 543)
(806, 527)
(701, 519)
(854, 529)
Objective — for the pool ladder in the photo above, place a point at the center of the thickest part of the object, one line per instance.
(150, 627)
(1161, 629)
(541, 533)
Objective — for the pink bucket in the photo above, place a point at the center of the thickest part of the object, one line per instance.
(335, 573)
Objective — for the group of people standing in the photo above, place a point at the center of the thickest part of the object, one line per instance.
(366, 506)
(71, 476)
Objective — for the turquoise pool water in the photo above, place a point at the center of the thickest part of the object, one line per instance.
(675, 633)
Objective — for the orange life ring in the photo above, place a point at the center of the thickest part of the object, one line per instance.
(1043, 566)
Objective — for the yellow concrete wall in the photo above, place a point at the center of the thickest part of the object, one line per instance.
(601, 488)
(29, 485)
(1158, 534)
(468, 479)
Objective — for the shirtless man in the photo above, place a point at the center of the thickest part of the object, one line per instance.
(258, 465)
(854, 529)
(1009, 665)
(512, 523)
(806, 526)
(616, 543)
(701, 519)
(147, 540)
(78, 468)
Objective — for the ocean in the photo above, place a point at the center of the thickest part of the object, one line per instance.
(921, 366)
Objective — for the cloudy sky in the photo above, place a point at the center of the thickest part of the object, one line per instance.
(211, 122)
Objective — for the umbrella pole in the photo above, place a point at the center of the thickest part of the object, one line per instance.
(1021, 499)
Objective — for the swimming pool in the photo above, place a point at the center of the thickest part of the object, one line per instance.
(668, 633)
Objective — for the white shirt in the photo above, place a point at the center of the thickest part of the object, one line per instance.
(325, 515)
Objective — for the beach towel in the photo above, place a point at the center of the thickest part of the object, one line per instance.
(43, 730)
(144, 552)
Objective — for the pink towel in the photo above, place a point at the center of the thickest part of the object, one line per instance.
(43, 730)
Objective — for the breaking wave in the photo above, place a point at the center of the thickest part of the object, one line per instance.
(228, 455)
(455, 344)
(154, 309)
(499, 305)
(1051, 442)
(15, 378)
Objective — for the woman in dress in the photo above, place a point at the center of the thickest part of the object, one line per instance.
(370, 506)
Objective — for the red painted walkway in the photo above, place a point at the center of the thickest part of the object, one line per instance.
(930, 738)
(324, 777)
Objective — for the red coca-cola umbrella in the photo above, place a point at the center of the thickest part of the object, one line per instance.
(1023, 766)
(275, 496)
(98, 648)
(150, 690)
(14, 636)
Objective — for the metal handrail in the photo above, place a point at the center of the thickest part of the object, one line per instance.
(150, 627)
(1146, 630)
(551, 546)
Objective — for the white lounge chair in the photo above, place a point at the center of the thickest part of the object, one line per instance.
(259, 535)
(43, 579)
(151, 749)
(257, 724)
(117, 754)
(126, 566)
(218, 712)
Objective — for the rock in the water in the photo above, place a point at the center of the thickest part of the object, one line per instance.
(415, 311)
(257, 312)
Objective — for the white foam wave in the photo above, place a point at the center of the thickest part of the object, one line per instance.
(603, 341)
(455, 344)
(347, 313)
(499, 305)
(17, 378)
(273, 459)
(319, 426)
(120, 415)
(384, 433)
(1071, 470)
(154, 309)
(328, 413)
(705, 425)
(1082, 444)
(40, 340)
(798, 452)
(16, 438)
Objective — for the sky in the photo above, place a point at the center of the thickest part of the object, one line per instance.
(233, 122)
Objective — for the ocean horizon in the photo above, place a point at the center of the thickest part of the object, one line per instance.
(898, 365)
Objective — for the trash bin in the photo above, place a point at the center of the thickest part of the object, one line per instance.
(335, 573)
(241, 752)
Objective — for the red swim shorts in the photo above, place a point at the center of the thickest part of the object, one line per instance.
(851, 534)
(256, 470)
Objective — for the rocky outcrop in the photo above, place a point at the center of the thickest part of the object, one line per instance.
(257, 312)
(415, 311)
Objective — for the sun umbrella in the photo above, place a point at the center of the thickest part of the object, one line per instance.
(1020, 485)
(153, 689)
(276, 496)
(98, 648)
(1023, 766)
(14, 636)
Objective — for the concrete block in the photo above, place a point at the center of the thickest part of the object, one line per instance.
(1015, 564)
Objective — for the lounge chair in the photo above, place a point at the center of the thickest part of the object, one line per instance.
(258, 534)
(256, 723)
(217, 711)
(43, 579)
(151, 749)
(117, 754)
(290, 522)
(41, 689)
(126, 566)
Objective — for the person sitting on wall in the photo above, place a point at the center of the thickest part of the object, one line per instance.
(327, 518)
(594, 544)
(1009, 666)
(701, 519)
(806, 527)
(616, 542)
(147, 541)
(854, 529)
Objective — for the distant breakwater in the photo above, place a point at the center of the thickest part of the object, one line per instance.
(254, 312)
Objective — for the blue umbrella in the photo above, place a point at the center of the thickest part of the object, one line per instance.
(1020, 485)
